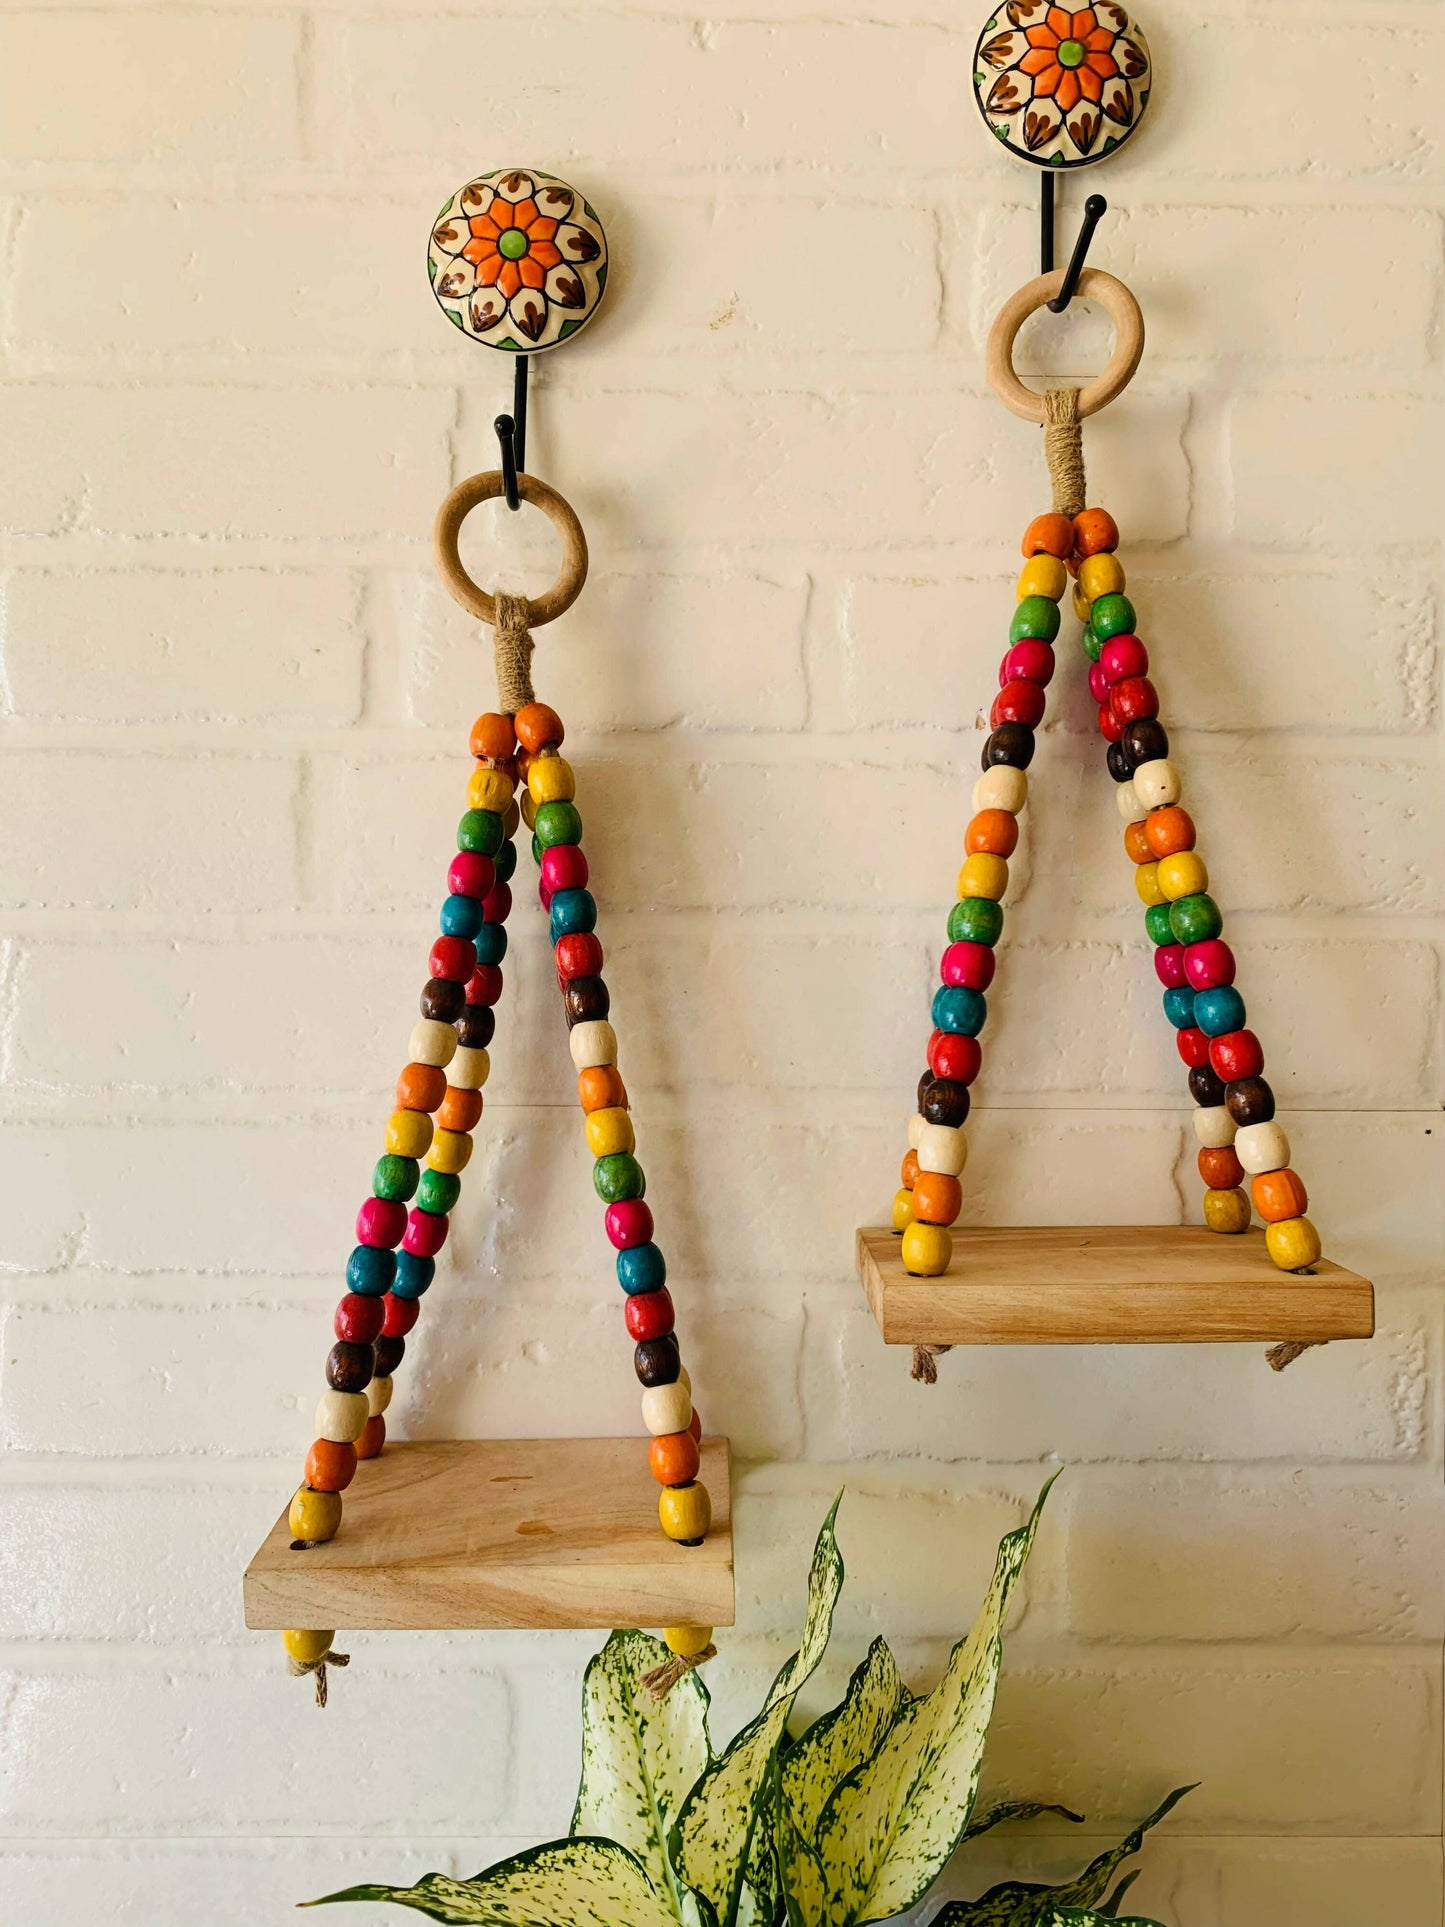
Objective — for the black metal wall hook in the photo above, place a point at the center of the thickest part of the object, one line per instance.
(512, 434)
(1095, 208)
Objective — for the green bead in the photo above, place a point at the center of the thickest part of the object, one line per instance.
(395, 1177)
(1112, 615)
(618, 1176)
(480, 830)
(537, 848)
(558, 823)
(438, 1192)
(505, 861)
(1036, 615)
(1156, 922)
(1093, 647)
(975, 920)
(1195, 919)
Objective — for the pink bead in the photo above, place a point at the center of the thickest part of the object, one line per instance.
(380, 1221)
(426, 1233)
(1123, 656)
(564, 867)
(497, 905)
(1031, 660)
(629, 1223)
(1209, 964)
(968, 964)
(1098, 682)
(470, 874)
(1169, 964)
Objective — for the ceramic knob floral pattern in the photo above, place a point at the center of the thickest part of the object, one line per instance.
(518, 260)
(1061, 87)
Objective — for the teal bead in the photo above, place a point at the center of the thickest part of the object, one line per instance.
(558, 823)
(959, 1010)
(618, 1176)
(1112, 615)
(1157, 922)
(1179, 1006)
(641, 1268)
(975, 920)
(1093, 645)
(1036, 616)
(1195, 919)
(461, 916)
(1219, 1010)
(573, 911)
(413, 1274)
(395, 1177)
(491, 942)
(370, 1270)
(480, 830)
(438, 1192)
(505, 861)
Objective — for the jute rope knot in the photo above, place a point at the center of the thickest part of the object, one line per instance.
(512, 647)
(299, 1668)
(925, 1368)
(1285, 1353)
(1064, 450)
(661, 1680)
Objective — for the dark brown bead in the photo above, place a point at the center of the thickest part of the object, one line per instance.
(923, 1084)
(348, 1367)
(1250, 1101)
(1121, 764)
(1011, 743)
(586, 999)
(443, 1000)
(946, 1101)
(477, 1027)
(1145, 741)
(1206, 1086)
(387, 1354)
(657, 1361)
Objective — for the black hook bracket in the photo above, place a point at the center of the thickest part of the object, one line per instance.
(1095, 208)
(512, 435)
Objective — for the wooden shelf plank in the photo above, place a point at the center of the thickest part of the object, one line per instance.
(1109, 1285)
(462, 1533)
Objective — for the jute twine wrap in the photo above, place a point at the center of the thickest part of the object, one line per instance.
(1064, 449)
(925, 1370)
(1278, 1356)
(299, 1668)
(661, 1680)
(512, 646)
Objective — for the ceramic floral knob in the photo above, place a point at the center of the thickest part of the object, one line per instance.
(1061, 87)
(518, 260)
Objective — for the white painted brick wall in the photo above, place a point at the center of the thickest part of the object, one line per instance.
(233, 714)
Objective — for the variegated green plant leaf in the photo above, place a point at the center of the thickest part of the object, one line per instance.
(713, 1842)
(839, 1743)
(1008, 1810)
(888, 1830)
(641, 1755)
(805, 1897)
(569, 1883)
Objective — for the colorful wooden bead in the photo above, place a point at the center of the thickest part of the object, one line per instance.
(926, 1250)
(1219, 1011)
(1208, 1088)
(937, 1198)
(1051, 534)
(667, 1408)
(609, 1132)
(1279, 1195)
(1043, 575)
(1010, 743)
(564, 867)
(1214, 1128)
(600, 1088)
(539, 727)
(1146, 885)
(401, 1316)
(902, 1208)
(307, 1647)
(493, 735)
(491, 943)
(1157, 924)
(1136, 846)
(586, 1000)
(550, 780)
(408, 1133)
(426, 1233)
(1179, 1006)
(975, 920)
(444, 998)
(358, 1318)
(673, 1458)
(983, 876)
(1209, 965)
(448, 1157)
(1018, 702)
(470, 874)
(1133, 700)
(421, 1087)
(1236, 1055)
(1221, 1169)
(1169, 965)
(1122, 659)
(389, 1354)
(369, 1445)
(968, 965)
(381, 1221)
(432, 1043)
(557, 823)
(1195, 919)
(1027, 661)
(1095, 533)
(992, 833)
(570, 912)
(1111, 729)
(945, 1101)
(469, 1069)
(618, 1177)
(348, 1367)
(578, 955)
(414, 1275)
(1294, 1244)
(942, 1147)
(954, 1056)
(1098, 684)
(1112, 615)
(1101, 575)
(459, 1111)
(1193, 1048)
(1261, 1147)
(1001, 787)
(1157, 784)
(340, 1416)
(313, 1518)
(688, 1642)
(1126, 799)
(959, 1010)
(460, 918)
(330, 1465)
(485, 986)
(685, 1512)
(592, 1044)
(649, 1314)
(657, 1361)
(1036, 616)
(481, 833)
(1226, 1211)
(1183, 875)
(489, 789)
(641, 1268)
(628, 1222)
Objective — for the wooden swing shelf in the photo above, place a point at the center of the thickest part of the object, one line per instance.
(1109, 1284)
(459, 1534)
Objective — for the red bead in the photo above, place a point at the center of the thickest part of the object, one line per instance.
(1207, 965)
(1134, 699)
(1239, 1054)
(401, 1315)
(1193, 1047)
(358, 1318)
(1018, 702)
(380, 1221)
(497, 904)
(485, 986)
(564, 867)
(426, 1233)
(1169, 964)
(1121, 657)
(578, 955)
(470, 874)
(1031, 660)
(970, 964)
(649, 1314)
(454, 958)
(1110, 728)
(629, 1222)
(954, 1056)
(1098, 682)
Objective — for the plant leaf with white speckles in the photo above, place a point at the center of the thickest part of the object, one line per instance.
(569, 1883)
(839, 1743)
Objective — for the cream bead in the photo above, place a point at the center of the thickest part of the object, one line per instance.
(916, 1127)
(684, 1379)
(432, 1042)
(593, 1044)
(1130, 808)
(942, 1147)
(666, 1408)
(378, 1396)
(469, 1069)
(342, 1416)
(1214, 1127)
(1157, 784)
(1001, 788)
(1261, 1148)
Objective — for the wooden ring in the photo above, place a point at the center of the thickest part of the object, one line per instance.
(1094, 285)
(559, 512)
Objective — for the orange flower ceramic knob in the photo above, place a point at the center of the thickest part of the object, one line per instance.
(518, 260)
(1060, 86)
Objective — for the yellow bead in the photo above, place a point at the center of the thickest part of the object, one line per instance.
(1293, 1243)
(685, 1511)
(305, 1646)
(687, 1641)
(550, 780)
(1182, 875)
(529, 810)
(314, 1516)
(609, 1132)
(902, 1209)
(1146, 882)
(1082, 604)
(927, 1249)
(983, 875)
(1101, 575)
(489, 789)
(408, 1133)
(1043, 575)
(450, 1151)
(1226, 1211)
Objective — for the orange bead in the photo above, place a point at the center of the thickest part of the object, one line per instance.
(1220, 1169)
(1279, 1195)
(937, 1198)
(674, 1458)
(909, 1173)
(1137, 844)
(421, 1087)
(694, 1427)
(459, 1109)
(330, 1465)
(600, 1088)
(539, 727)
(1049, 535)
(493, 736)
(1169, 831)
(992, 833)
(373, 1437)
(1095, 533)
